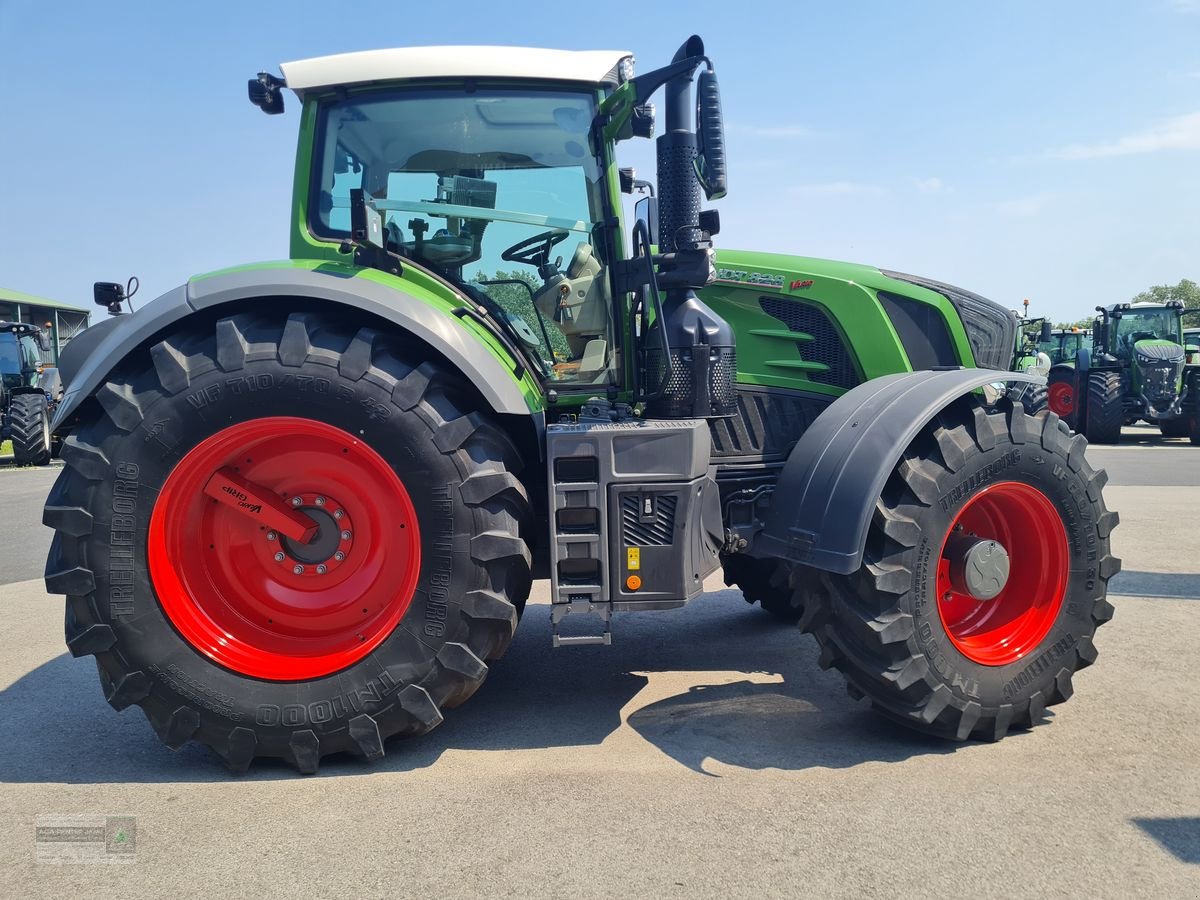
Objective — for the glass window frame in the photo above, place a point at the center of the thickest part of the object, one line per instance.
(611, 245)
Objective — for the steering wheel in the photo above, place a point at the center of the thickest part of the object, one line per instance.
(1140, 336)
(535, 251)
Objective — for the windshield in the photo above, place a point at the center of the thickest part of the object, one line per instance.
(10, 357)
(495, 190)
(1139, 325)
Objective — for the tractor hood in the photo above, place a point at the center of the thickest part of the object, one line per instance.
(991, 329)
(1160, 351)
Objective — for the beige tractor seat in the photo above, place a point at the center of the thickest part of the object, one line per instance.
(577, 300)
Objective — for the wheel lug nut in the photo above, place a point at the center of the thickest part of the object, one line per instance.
(279, 556)
(346, 535)
(271, 536)
(337, 513)
(297, 570)
(339, 556)
(296, 501)
(321, 570)
(320, 501)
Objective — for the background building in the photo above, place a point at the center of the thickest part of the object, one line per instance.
(61, 321)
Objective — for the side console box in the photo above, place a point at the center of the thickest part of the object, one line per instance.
(635, 517)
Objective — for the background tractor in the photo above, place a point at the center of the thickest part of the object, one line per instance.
(304, 501)
(29, 393)
(1138, 368)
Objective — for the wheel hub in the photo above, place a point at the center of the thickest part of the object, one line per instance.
(978, 568)
(327, 549)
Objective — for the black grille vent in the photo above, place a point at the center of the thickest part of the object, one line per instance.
(768, 423)
(826, 346)
(922, 331)
(991, 329)
(658, 533)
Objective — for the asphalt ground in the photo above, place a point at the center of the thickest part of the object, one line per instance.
(703, 754)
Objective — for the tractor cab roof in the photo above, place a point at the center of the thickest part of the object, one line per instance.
(597, 67)
(19, 328)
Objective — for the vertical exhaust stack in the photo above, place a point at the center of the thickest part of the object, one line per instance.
(696, 370)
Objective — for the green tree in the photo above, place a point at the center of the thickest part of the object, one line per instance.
(518, 302)
(1187, 291)
(1078, 323)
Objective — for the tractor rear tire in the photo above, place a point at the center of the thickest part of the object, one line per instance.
(1035, 398)
(29, 415)
(765, 582)
(354, 427)
(1104, 408)
(1175, 428)
(1061, 397)
(945, 663)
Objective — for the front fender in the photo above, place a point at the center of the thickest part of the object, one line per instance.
(826, 493)
(87, 369)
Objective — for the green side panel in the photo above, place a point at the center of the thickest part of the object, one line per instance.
(771, 355)
(413, 284)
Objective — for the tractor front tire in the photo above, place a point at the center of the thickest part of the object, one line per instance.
(29, 415)
(227, 633)
(1104, 409)
(765, 582)
(1193, 409)
(1175, 428)
(944, 662)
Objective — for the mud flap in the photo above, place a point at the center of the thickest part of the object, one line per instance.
(823, 500)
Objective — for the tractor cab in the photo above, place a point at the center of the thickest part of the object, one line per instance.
(1066, 343)
(492, 170)
(1145, 328)
(20, 354)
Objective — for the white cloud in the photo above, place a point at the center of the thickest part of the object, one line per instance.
(930, 185)
(1177, 133)
(1184, 6)
(836, 188)
(1024, 207)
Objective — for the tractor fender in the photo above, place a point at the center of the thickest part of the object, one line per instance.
(826, 493)
(89, 359)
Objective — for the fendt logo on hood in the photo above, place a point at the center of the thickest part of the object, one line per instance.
(241, 498)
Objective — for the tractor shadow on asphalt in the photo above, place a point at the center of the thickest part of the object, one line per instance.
(724, 683)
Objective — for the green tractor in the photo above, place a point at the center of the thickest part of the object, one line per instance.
(1138, 368)
(29, 393)
(304, 501)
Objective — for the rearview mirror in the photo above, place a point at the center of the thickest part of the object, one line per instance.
(646, 210)
(710, 136)
(1046, 336)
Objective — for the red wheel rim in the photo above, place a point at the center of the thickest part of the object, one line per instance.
(1004, 629)
(1061, 398)
(216, 573)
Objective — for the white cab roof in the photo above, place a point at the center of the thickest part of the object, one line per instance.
(590, 66)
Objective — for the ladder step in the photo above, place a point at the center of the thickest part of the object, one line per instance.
(583, 640)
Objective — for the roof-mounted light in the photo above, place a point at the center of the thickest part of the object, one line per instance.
(625, 69)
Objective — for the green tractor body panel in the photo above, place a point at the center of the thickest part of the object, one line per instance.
(1151, 353)
(776, 302)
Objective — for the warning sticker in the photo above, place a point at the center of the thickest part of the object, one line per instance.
(633, 558)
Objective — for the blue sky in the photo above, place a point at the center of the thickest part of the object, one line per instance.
(1027, 149)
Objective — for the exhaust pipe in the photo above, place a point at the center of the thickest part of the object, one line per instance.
(696, 371)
